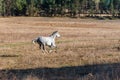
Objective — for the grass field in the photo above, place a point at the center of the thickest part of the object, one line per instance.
(88, 49)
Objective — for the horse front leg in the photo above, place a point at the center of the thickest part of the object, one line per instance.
(56, 49)
(54, 46)
(53, 49)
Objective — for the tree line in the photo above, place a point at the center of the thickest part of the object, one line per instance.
(70, 8)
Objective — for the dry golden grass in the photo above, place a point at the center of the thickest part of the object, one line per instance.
(82, 42)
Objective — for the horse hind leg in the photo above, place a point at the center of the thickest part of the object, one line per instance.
(45, 49)
(41, 48)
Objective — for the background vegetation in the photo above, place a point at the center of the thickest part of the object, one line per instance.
(70, 8)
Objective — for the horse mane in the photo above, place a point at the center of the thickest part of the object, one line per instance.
(53, 33)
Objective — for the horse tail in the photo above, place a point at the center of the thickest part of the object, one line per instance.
(34, 40)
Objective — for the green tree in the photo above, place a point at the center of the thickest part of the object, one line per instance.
(0, 7)
(112, 7)
(116, 4)
(97, 2)
(19, 7)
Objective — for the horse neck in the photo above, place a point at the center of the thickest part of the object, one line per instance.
(53, 36)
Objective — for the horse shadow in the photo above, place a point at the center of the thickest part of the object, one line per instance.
(87, 72)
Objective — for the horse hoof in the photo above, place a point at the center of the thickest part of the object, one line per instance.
(50, 51)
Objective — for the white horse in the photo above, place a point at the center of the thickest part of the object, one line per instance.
(46, 41)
